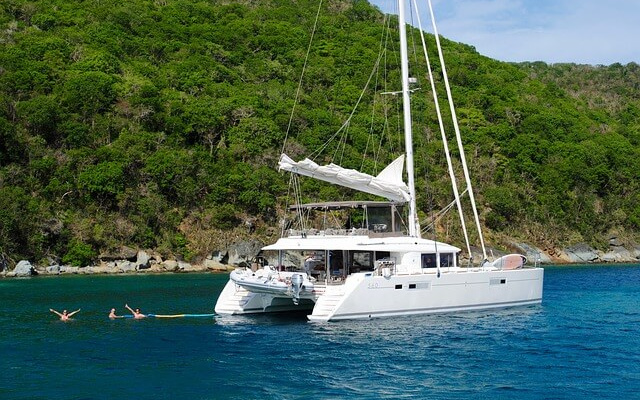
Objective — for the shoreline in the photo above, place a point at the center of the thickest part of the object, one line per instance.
(239, 254)
(222, 269)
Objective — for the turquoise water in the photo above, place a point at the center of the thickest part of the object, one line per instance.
(582, 342)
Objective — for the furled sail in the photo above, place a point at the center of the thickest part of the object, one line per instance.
(387, 184)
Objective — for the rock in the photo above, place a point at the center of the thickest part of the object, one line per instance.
(123, 253)
(142, 260)
(213, 265)
(615, 242)
(53, 269)
(187, 267)
(580, 253)
(102, 268)
(635, 252)
(169, 265)
(125, 266)
(221, 257)
(243, 252)
(66, 269)
(534, 255)
(617, 254)
(4, 263)
(24, 268)
(183, 266)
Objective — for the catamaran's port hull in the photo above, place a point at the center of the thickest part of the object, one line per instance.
(368, 296)
(236, 300)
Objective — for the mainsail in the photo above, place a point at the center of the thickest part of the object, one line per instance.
(387, 184)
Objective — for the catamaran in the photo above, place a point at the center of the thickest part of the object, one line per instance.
(377, 264)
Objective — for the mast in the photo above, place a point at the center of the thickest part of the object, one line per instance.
(414, 228)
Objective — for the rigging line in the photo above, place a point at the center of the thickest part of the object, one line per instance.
(303, 217)
(442, 212)
(304, 67)
(295, 182)
(373, 108)
(463, 159)
(445, 142)
(353, 111)
(286, 205)
(385, 102)
(413, 40)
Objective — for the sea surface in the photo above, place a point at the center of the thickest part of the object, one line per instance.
(583, 342)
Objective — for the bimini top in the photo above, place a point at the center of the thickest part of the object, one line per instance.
(387, 184)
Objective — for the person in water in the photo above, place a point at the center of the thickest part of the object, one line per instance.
(112, 314)
(64, 315)
(137, 314)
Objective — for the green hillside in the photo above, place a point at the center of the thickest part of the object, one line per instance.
(158, 124)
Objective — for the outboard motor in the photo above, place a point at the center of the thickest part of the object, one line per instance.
(296, 285)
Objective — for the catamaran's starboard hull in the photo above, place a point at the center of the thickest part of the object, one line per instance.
(377, 296)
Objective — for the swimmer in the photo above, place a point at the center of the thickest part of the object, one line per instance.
(136, 313)
(112, 314)
(64, 315)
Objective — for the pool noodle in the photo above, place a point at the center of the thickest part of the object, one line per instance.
(180, 315)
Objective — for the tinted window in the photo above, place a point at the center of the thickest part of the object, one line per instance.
(429, 260)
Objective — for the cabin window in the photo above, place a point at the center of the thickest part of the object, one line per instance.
(446, 260)
(361, 261)
(429, 260)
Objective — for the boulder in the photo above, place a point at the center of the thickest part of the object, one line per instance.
(122, 253)
(4, 263)
(142, 260)
(183, 266)
(617, 254)
(635, 252)
(24, 268)
(243, 252)
(221, 257)
(53, 269)
(615, 242)
(125, 266)
(169, 265)
(67, 269)
(534, 255)
(101, 268)
(213, 265)
(187, 267)
(580, 253)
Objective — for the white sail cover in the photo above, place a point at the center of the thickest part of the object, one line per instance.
(387, 184)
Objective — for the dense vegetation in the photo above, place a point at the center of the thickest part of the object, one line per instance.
(158, 124)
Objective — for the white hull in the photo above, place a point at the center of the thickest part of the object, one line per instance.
(365, 295)
(236, 300)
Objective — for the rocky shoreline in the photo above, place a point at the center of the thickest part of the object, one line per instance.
(131, 261)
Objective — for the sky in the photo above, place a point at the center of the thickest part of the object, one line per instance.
(596, 32)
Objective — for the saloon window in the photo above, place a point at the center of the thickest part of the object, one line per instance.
(429, 260)
(362, 261)
(446, 260)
